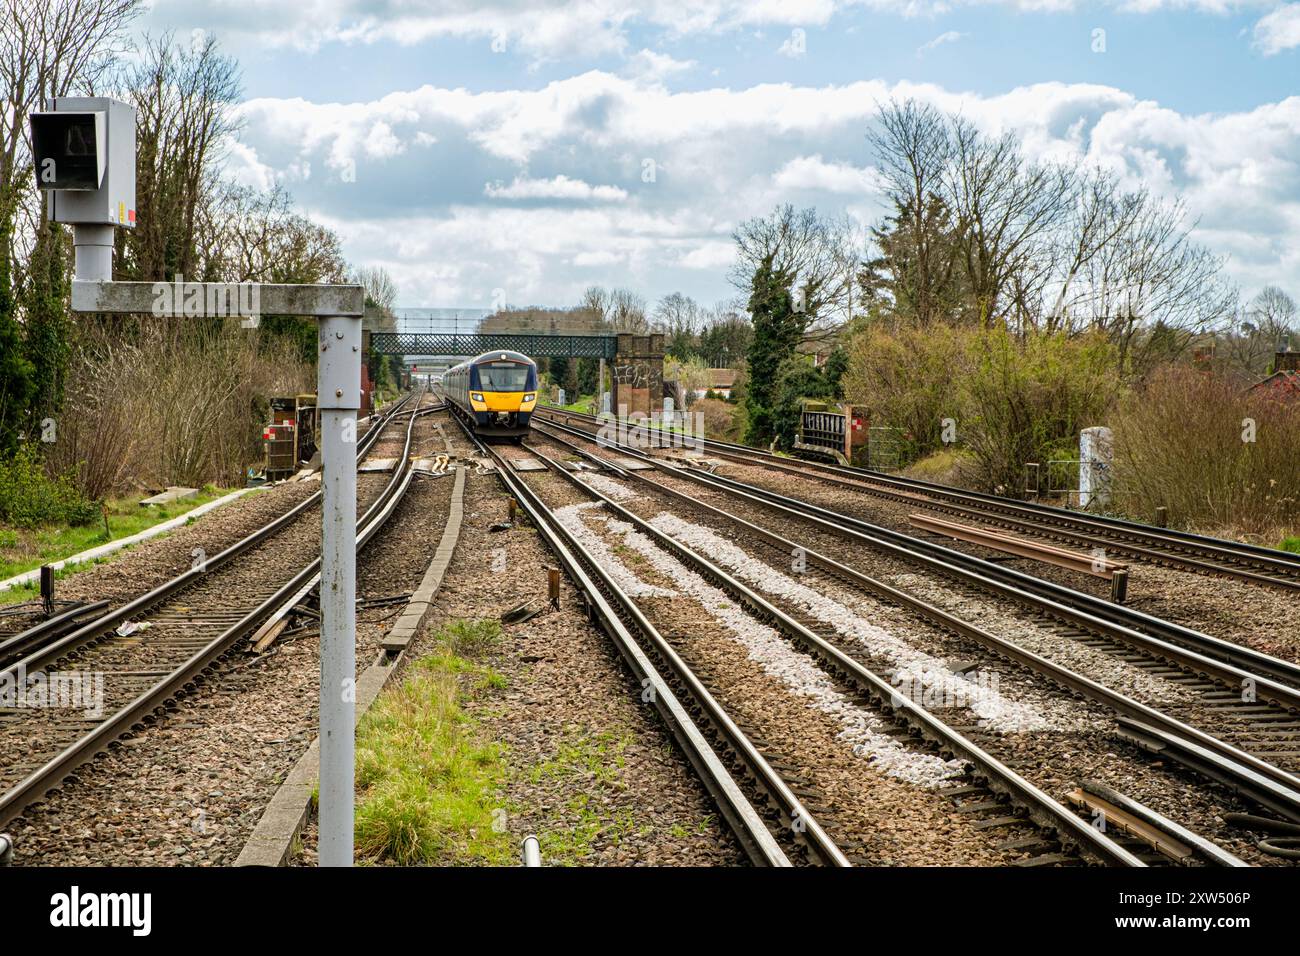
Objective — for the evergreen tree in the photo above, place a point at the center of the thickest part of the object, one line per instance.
(798, 380)
(777, 332)
(560, 371)
(15, 370)
(48, 325)
(833, 371)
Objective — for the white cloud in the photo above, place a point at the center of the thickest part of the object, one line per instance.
(952, 36)
(651, 66)
(567, 204)
(551, 29)
(812, 172)
(1279, 30)
(559, 187)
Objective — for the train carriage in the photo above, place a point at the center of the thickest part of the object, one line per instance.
(494, 393)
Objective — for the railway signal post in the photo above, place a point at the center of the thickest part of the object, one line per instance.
(84, 156)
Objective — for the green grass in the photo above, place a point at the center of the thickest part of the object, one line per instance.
(585, 405)
(22, 549)
(587, 761)
(940, 466)
(427, 785)
(1291, 544)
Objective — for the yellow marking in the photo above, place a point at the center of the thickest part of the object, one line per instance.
(503, 402)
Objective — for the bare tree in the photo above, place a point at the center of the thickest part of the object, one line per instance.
(913, 150)
(184, 98)
(1007, 209)
(48, 48)
(379, 285)
(620, 310)
(1258, 331)
(816, 255)
(1272, 314)
(1153, 290)
(252, 236)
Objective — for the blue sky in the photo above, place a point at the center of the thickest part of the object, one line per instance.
(1190, 60)
(495, 151)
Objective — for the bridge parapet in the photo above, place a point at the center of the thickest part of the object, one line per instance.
(453, 343)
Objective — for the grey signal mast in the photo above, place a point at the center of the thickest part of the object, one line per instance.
(83, 151)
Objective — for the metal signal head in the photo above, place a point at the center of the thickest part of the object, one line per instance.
(83, 151)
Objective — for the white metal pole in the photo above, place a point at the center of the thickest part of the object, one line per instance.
(339, 397)
(92, 248)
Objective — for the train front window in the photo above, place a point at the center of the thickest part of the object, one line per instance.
(503, 377)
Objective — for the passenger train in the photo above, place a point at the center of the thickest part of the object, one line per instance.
(494, 393)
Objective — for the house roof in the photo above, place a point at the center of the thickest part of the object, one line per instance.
(722, 377)
(1286, 382)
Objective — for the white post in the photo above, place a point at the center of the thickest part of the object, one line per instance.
(1095, 452)
(92, 249)
(339, 397)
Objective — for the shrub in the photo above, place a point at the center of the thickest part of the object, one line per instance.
(719, 418)
(1180, 442)
(167, 404)
(1026, 399)
(905, 379)
(29, 497)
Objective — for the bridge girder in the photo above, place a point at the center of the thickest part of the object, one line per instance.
(535, 346)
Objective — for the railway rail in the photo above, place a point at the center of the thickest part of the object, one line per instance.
(991, 788)
(1229, 661)
(194, 622)
(1147, 543)
(1261, 732)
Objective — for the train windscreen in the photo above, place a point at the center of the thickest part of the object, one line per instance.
(503, 377)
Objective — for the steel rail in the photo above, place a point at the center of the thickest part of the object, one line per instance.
(1072, 528)
(1234, 763)
(1041, 807)
(47, 777)
(1232, 756)
(908, 489)
(43, 656)
(622, 620)
(1229, 662)
(48, 629)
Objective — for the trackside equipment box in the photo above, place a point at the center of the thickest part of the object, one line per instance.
(84, 152)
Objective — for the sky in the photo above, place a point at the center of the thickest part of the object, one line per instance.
(503, 153)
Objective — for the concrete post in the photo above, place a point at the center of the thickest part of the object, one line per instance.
(339, 396)
(1095, 452)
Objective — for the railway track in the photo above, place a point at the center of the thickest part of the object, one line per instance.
(1146, 543)
(997, 798)
(1251, 736)
(1228, 661)
(151, 649)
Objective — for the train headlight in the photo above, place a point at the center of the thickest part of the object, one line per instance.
(530, 397)
(476, 396)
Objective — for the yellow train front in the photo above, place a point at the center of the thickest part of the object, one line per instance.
(495, 393)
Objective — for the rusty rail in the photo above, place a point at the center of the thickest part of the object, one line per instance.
(1098, 566)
